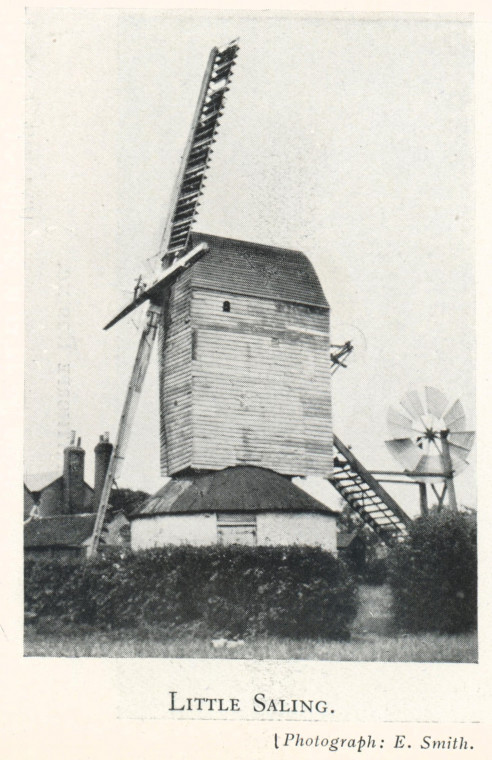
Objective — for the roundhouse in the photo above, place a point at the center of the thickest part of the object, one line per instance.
(237, 505)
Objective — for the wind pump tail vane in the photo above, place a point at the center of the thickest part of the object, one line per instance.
(173, 251)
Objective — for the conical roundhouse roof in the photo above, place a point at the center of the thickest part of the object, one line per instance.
(234, 489)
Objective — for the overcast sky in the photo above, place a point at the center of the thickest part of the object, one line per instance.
(348, 138)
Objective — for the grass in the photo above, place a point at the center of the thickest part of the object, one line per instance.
(414, 648)
(372, 641)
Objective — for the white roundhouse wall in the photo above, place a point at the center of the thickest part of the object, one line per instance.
(273, 529)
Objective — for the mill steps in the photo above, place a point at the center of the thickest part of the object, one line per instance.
(366, 496)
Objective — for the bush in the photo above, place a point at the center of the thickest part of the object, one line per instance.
(375, 572)
(230, 590)
(433, 575)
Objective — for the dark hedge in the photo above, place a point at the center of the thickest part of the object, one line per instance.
(375, 572)
(433, 575)
(297, 591)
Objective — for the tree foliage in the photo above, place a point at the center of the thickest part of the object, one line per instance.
(127, 500)
(433, 575)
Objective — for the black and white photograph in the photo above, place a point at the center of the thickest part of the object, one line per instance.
(250, 411)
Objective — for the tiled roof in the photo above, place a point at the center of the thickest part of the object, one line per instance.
(234, 489)
(235, 266)
(62, 530)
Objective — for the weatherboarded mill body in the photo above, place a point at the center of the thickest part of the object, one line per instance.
(245, 369)
(245, 402)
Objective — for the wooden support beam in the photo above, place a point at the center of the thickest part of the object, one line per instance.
(132, 398)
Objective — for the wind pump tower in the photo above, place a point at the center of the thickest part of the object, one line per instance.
(245, 360)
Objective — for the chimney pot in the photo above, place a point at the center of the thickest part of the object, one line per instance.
(102, 451)
(73, 478)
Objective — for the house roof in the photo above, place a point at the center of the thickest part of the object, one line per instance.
(39, 480)
(344, 539)
(61, 530)
(234, 489)
(235, 266)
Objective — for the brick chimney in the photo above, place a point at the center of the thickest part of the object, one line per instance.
(102, 451)
(73, 478)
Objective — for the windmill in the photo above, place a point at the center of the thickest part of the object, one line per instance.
(244, 350)
(175, 257)
(431, 442)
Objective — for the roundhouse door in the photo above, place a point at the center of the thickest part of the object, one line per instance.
(236, 529)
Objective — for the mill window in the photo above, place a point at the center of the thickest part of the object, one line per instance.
(226, 306)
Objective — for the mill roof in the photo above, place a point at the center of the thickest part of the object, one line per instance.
(236, 266)
(234, 489)
(61, 530)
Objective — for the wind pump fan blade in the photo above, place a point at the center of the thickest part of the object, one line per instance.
(436, 402)
(430, 464)
(405, 451)
(458, 463)
(464, 440)
(399, 424)
(455, 418)
(413, 405)
(458, 453)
